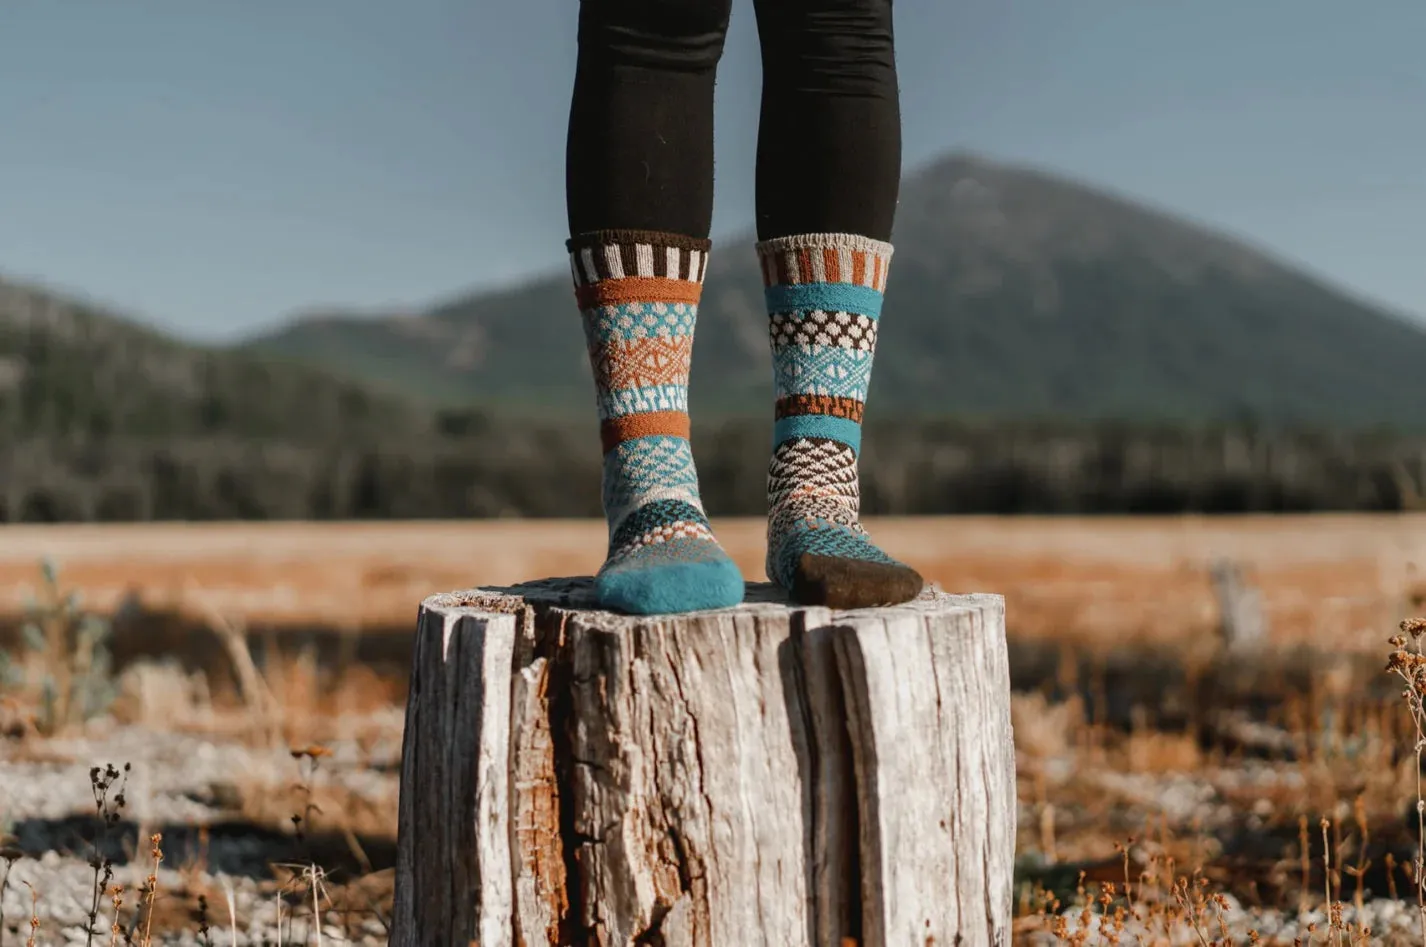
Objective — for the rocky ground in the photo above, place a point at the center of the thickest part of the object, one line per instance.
(1381, 923)
(224, 810)
(245, 911)
(224, 807)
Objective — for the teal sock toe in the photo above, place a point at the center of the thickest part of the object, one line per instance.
(663, 559)
(655, 584)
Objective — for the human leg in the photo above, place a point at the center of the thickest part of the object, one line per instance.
(829, 163)
(639, 192)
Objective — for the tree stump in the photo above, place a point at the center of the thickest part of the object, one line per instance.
(767, 774)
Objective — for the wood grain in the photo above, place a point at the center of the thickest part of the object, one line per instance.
(767, 774)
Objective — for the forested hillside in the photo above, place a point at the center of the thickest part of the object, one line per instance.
(1013, 294)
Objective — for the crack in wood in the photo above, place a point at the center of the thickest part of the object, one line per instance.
(653, 935)
(761, 775)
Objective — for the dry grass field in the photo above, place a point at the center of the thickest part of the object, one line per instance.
(1169, 793)
(1332, 580)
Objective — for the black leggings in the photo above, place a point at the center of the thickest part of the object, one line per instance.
(640, 147)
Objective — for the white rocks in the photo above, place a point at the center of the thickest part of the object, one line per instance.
(177, 779)
(64, 886)
(171, 773)
(1392, 924)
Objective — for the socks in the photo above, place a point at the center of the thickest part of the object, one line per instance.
(824, 294)
(638, 292)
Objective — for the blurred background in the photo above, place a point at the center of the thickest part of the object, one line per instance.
(287, 343)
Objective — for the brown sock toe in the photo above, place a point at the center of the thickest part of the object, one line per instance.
(851, 583)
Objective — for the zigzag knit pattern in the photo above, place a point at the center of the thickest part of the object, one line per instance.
(638, 293)
(824, 295)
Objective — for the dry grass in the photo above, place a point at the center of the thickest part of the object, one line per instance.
(286, 703)
(1325, 578)
(1164, 790)
(1309, 810)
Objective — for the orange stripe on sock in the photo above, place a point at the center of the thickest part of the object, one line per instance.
(858, 267)
(616, 431)
(643, 363)
(793, 406)
(638, 289)
(831, 262)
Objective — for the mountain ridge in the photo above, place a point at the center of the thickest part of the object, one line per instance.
(1014, 292)
(742, 236)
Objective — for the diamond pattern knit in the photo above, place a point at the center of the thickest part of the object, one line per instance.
(638, 293)
(824, 294)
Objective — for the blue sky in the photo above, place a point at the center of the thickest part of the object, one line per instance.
(215, 166)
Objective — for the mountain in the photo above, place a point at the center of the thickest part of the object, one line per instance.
(69, 368)
(103, 419)
(1013, 293)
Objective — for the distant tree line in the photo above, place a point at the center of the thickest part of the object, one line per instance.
(467, 465)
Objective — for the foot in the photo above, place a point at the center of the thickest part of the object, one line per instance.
(824, 295)
(664, 560)
(817, 549)
(639, 293)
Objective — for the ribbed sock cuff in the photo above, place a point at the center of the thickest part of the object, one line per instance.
(637, 254)
(836, 258)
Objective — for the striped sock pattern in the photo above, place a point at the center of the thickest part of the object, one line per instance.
(638, 294)
(824, 295)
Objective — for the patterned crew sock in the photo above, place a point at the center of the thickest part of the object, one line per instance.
(824, 294)
(638, 292)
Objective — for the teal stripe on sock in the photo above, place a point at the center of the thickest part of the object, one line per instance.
(818, 425)
(630, 321)
(829, 297)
